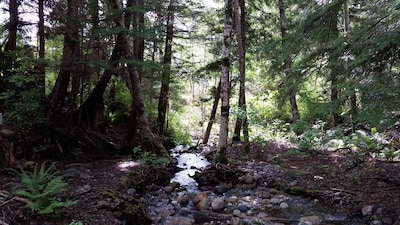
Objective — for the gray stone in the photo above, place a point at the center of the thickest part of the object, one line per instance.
(183, 199)
(248, 179)
(183, 211)
(305, 223)
(314, 220)
(367, 210)
(232, 199)
(168, 189)
(131, 191)
(376, 222)
(236, 212)
(283, 205)
(236, 221)
(180, 220)
(203, 205)
(275, 200)
(379, 211)
(222, 188)
(387, 220)
(243, 208)
(218, 204)
(262, 215)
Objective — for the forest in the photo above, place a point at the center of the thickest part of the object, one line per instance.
(291, 107)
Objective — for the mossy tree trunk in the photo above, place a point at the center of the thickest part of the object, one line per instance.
(225, 67)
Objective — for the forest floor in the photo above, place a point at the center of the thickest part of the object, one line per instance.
(103, 185)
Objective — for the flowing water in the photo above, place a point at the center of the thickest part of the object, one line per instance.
(189, 163)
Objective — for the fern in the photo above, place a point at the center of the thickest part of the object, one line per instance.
(43, 188)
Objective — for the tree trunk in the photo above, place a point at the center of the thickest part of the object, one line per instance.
(163, 100)
(70, 56)
(288, 62)
(353, 97)
(42, 64)
(9, 50)
(241, 120)
(139, 124)
(223, 134)
(213, 113)
(92, 107)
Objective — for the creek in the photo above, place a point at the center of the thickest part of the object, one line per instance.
(248, 202)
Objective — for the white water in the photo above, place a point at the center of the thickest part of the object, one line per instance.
(190, 163)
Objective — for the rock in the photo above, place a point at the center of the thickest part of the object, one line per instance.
(243, 208)
(183, 199)
(218, 204)
(168, 189)
(257, 176)
(283, 205)
(305, 223)
(367, 210)
(203, 205)
(313, 220)
(262, 215)
(236, 212)
(200, 197)
(387, 220)
(131, 191)
(273, 191)
(174, 184)
(180, 220)
(379, 211)
(183, 211)
(222, 188)
(376, 222)
(248, 179)
(275, 200)
(232, 199)
(236, 221)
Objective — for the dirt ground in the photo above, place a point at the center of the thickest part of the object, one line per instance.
(103, 185)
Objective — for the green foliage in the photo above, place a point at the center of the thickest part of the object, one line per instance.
(390, 153)
(43, 187)
(177, 130)
(150, 158)
(306, 141)
(24, 97)
(300, 127)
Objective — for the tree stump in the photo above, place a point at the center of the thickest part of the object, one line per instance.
(7, 147)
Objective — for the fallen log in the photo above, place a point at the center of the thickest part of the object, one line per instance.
(207, 216)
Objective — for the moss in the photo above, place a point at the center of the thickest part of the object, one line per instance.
(221, 156)
(296, 190)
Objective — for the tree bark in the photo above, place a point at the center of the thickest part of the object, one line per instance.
(41, 64)
(225, 66)
(163, 100)
(139, 124)
(69, 58)
(213, 113)
(9, 50)
(287, 62)
(241, 121)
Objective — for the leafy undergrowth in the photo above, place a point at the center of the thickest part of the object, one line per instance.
(103, 186)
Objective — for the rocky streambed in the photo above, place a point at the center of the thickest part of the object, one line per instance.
(246, 195)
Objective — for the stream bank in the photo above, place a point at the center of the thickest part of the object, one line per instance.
(248, 193)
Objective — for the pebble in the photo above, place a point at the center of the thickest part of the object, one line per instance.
(283, 205)
(218, 204)
(367, 210)
(222, 188)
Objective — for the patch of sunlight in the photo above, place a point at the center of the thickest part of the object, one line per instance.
(125, 166)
